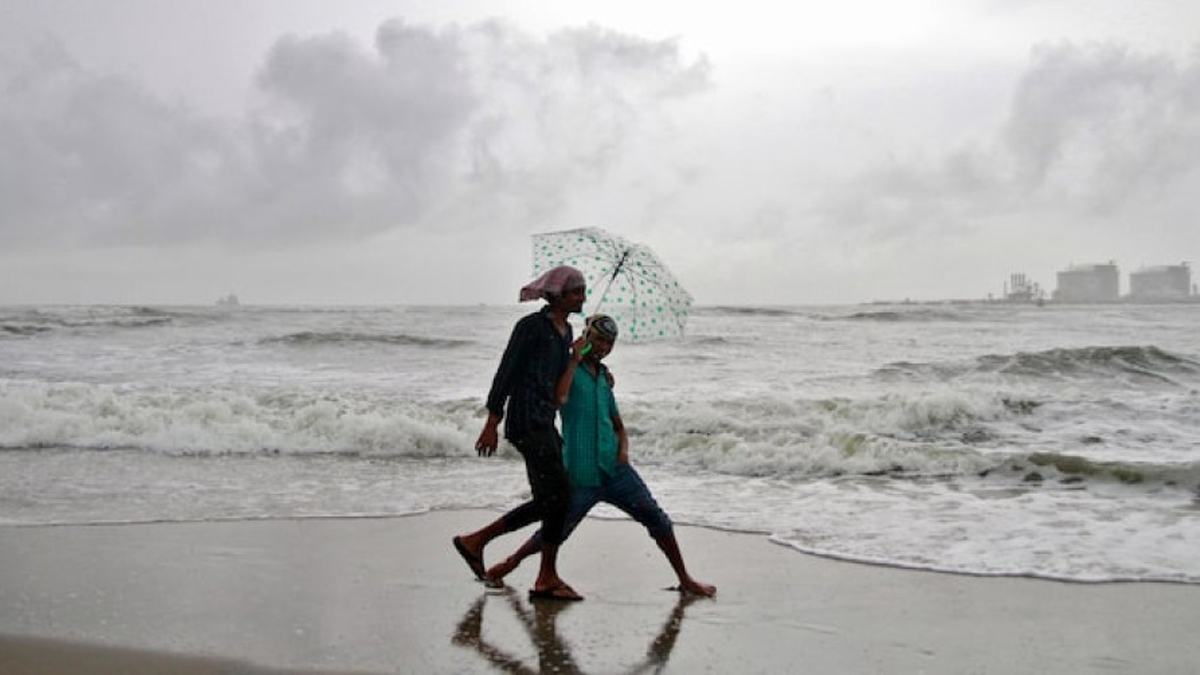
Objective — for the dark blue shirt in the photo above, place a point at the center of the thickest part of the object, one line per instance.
(536, 356)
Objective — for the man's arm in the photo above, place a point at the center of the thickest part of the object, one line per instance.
(502, 384)
(622, 440)
(562, 391)
(511, 364)
(489, 438)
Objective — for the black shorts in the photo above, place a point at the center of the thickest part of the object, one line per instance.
(542, 450)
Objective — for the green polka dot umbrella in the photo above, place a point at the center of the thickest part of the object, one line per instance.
(628, 281)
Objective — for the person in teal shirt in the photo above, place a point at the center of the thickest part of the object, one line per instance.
(596, 455)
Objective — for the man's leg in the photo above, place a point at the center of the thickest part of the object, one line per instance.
(626, 491)
(470, 546)
(552, 492)
(582, 501)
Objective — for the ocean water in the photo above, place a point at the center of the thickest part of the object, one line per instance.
(1056, 442)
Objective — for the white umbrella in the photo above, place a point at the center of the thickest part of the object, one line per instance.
(635, 287)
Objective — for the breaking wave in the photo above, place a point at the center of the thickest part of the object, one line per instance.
(1147, 363)
(22, 329)
(320, 338)
(928, 435)
(31, 322)
(747, 311)
(195, 421)
(1144, 361)
(903, 316)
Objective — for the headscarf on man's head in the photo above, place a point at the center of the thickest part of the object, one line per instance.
(554, 281)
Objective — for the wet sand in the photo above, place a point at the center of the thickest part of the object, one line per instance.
(392, 596)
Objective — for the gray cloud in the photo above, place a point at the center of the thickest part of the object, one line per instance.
(89, 158)
(1106, 119)
(461, 126)
(1092, 130)
(558, 115)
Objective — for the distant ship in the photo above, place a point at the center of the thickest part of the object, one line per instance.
(230, 300)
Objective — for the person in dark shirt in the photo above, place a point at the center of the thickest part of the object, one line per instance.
(523, 395)
(596, 454)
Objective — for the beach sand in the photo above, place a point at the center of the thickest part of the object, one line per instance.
(391, 596)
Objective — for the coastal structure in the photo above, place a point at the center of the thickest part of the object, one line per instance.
(1162, 282)
(1089, 283)
(1020, 288)
(1101, 283)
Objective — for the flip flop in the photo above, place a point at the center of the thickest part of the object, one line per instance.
(473, 561)
(561, 592)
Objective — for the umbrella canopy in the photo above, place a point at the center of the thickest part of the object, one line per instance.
(634, 286)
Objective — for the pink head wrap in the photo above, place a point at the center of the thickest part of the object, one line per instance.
(554, 281)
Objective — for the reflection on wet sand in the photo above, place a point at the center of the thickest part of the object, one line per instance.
(539, 619)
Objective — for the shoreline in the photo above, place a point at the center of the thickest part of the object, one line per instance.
(765, 535)
(389, 594)
(829, 556)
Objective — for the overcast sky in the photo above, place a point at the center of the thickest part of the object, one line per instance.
(306, 151)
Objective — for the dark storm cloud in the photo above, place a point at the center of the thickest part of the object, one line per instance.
(1091, 130)
(89, 158)
(423, 127)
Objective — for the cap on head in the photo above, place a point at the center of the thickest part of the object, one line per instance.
(603, 325)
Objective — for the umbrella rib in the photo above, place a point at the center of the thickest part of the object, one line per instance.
(611, 278)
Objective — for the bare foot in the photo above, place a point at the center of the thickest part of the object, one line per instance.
(696, 588)
(502, 569)
(559, 591)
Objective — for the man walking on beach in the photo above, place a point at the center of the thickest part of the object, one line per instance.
(537, 354)
(596, 454)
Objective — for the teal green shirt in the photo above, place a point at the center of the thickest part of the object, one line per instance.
(589, 439)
